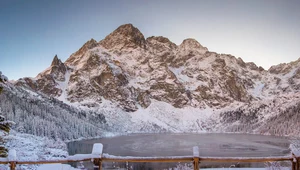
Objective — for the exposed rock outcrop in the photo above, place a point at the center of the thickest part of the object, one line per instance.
(125, 36)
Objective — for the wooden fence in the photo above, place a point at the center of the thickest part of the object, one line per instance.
(98, 158)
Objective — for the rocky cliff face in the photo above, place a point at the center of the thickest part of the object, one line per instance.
(131, 71)
(47, 81)
(125, 36)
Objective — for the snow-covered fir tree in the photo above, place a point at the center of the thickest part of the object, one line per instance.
(4, 124)
(40, 115)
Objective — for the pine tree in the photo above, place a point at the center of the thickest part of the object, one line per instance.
(4, 124)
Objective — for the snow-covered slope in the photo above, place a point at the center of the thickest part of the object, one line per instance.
(31, 148)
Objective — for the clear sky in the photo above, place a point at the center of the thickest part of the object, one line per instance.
(266, 32)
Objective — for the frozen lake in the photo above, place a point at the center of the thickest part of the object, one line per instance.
(210, 144)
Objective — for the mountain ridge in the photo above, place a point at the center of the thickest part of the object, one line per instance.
(146, 85)
(185, 74)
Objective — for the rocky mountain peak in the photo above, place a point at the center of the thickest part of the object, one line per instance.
(192, 44)
(284, 68)
(161, 41)
(55, 61)
(57, 69)
(89, 45)
(46, 81)
(125, 36)
(86, 46)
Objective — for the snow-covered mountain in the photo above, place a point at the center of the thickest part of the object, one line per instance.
(150, 84)
(130, 70)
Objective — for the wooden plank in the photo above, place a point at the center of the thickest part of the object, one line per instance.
(51, 161)
(250, 159)
(189, 159)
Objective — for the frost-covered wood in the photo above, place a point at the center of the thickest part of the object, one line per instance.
(246, 159)
(113, 158)
(12, 155)
(73, 158)
(79, 157)
(196, 151)
(97, 149)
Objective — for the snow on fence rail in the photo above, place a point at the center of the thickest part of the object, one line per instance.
(98, 157)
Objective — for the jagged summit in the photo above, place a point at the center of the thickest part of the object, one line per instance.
(86, 46)
(191, 43)
(124, 36)
(285, 68)
(89, 44)
(58, 69)
(47, 81)
(56, 61)
(159, 41)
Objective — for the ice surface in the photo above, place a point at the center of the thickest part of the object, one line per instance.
(210, 144)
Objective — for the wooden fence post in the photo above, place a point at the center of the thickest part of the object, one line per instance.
(12, 165)
(97, 151)
(12, 158)
(196, 157)
(293, 165)
(295, 162)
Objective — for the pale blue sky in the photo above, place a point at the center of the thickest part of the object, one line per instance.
(266, 32)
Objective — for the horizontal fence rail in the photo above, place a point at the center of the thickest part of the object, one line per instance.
(98, 158)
